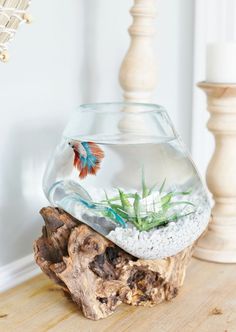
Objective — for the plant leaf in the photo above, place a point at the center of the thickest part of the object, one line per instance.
(145, 191)
(162, 186)
(150, 191)
(117, 198)
(124, 201)
(136, 205)
(118, 209)
(166, 199)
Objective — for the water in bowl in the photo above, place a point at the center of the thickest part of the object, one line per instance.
(134, 183)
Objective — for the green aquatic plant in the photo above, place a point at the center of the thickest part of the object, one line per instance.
(137, 208)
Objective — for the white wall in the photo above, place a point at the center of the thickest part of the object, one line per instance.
(69, 55)
(38, 88)
(214, 22)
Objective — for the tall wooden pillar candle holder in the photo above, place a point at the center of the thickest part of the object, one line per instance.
(138, 72)
(138, 69)
(219, 243)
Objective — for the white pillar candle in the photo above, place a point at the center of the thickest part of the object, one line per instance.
(221, 63)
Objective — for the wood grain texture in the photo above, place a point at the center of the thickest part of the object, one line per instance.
(98, 275)
(138, 73)
(38, 306)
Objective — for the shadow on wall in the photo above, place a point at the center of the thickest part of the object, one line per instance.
(26, 151)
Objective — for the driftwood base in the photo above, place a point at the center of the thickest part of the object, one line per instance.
(97, 274)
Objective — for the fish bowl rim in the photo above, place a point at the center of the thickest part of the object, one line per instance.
(101, 107)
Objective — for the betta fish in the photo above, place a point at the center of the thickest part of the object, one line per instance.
(87, 157)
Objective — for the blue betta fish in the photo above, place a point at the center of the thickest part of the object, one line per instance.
(87, 157)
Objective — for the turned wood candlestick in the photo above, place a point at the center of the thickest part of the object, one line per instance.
(138, 70)
(219, 243)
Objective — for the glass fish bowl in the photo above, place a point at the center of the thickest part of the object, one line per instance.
(123, 170)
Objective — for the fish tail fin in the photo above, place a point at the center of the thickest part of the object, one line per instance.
(77, 161)
(95, 158)
(96, 150)
(84, 172)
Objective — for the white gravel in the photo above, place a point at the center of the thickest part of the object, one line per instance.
(156, 243)
(166, 241)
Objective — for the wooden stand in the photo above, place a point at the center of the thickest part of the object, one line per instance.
(98, 275)
(219, 243)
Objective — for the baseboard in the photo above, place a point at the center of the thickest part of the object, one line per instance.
(17, 272)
